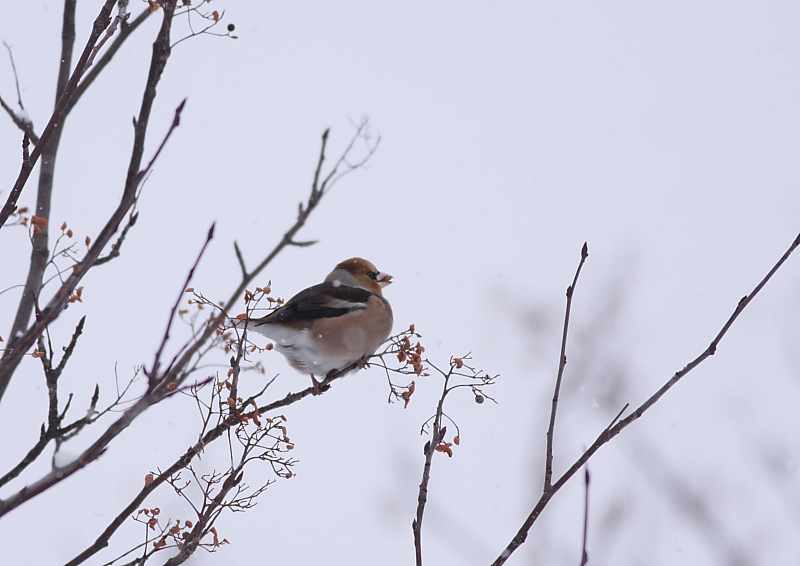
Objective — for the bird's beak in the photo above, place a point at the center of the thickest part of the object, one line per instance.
(383, 279)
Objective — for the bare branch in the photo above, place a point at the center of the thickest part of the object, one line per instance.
(117, 246)
(70, 347)
(614, 429)
(122, 16)
(125, 31)
(304, 211)
(64, 93)
(230, 421)
(153, 373)
(562, 363)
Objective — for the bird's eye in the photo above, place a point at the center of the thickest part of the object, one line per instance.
(372, 275)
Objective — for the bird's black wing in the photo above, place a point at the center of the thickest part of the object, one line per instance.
(325, 300)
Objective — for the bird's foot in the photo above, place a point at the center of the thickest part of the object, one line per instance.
(315, 386)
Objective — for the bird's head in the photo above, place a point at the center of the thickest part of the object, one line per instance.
(360, 272)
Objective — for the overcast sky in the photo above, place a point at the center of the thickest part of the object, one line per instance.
(665, 135)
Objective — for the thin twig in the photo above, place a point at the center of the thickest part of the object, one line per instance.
(14, 70)
(116, 248)
(479, 380)
(70, 347)
(22, 122)
(562, 362)
(153, 373)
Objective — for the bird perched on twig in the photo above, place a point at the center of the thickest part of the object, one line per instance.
(330, 326)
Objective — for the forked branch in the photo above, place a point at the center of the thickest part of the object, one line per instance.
(618, 426)
(100, 24)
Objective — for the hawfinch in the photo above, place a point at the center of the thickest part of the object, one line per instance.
(328, 327)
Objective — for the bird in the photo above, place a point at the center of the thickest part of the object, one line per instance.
(328, 327)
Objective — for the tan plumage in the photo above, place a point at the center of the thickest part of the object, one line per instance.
(332, 325)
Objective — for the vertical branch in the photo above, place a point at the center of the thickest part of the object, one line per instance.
(161, 53)
(437, 435)
(40, 251)
(562, 362)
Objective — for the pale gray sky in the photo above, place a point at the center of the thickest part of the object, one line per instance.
(664, 135)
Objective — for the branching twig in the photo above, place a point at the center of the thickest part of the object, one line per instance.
(614, 429)
(180, 367)
(476, 381)
(215, 17)
(125, 31)
(231, 420)
(100, 24)
(56, 304)
(117, 246)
